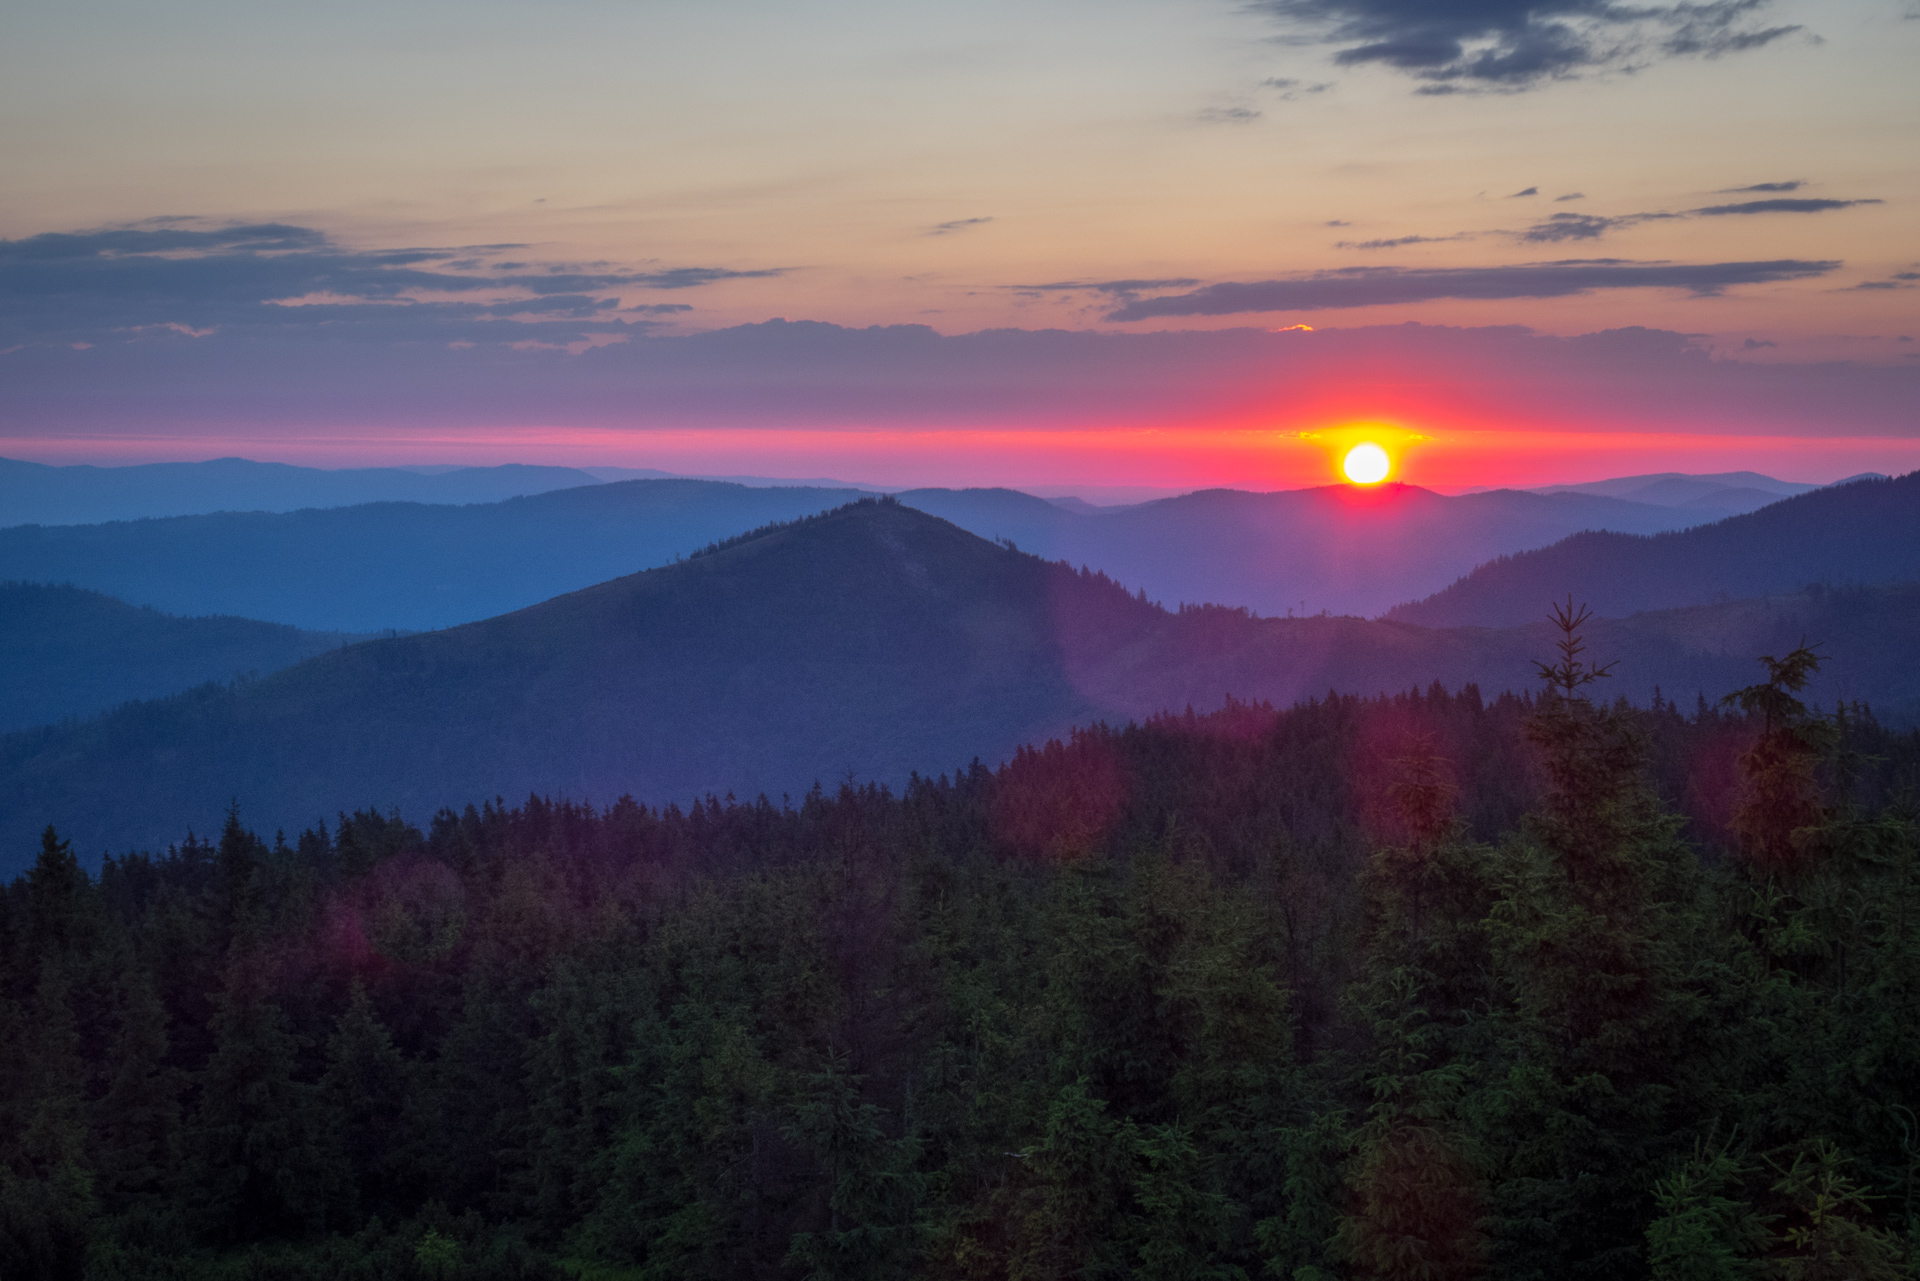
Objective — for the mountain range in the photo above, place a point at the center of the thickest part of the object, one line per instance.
(413, 566)
(869, 641)
(1722, 494)
(1867, 532)
(38, 494)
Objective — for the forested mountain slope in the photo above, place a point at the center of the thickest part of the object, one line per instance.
(874, 640)
(411, 567)
(69, 652)
(1867, 532)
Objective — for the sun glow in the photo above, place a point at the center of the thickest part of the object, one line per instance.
(1366, 464)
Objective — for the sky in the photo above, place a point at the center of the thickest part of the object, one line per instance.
(1051, 242)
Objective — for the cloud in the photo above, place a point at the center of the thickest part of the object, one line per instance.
(1398, 241)
(1228, 115)
(1336, 222)
(1116, 288)
(1530, 191)
(907, 377)
(1783, 206)
(1571, 195)
(1562, 227)
(1755, 344)
(1290, 90)
(1347, 287)
(1508, 45)
(1795, 185)
(1572, 226)
(958, 224)
(185, 276)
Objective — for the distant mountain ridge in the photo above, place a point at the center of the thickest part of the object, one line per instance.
(874, 640)
(69, 652)
(36, 493)
(413, 567)
(1864, 532)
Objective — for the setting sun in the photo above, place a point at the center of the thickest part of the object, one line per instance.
(1366, 464)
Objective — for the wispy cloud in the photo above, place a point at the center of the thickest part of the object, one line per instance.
(1289, 90)
(1347, 287)
(1397, 241)
(958, 224)
(1572, 226)
(1561, 227)
(1794, 185)
(185, 276)
(1228, 115)
(1782, 206)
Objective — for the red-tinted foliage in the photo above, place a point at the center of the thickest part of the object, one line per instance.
(1062, 800)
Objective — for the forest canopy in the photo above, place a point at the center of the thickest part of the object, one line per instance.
(1420, 986)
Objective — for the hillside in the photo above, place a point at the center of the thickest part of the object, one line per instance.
(1867, 531)
(413, 567)
(871, 641)
(35, 493)
(69, 652)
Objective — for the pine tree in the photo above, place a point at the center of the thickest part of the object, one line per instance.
(364, 1091)
(262, 1164)
(1574, 1111)
(137, 1121)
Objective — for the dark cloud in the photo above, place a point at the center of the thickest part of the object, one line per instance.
(183, 278)
(1906, 275)
(1383, 286)
(1530, 191)
(1455, 45)
(958, 224)
(1571, 195)
(1335, 222)
(1398, 241)
(1783, 206)
(1755, 344)
(1795, 185)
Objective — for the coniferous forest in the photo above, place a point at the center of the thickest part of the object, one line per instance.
(1426, 986)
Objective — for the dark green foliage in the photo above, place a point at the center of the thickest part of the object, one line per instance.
(1414, 987)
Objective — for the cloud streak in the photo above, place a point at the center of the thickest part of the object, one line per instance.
(1350, 287)
(1781, 206)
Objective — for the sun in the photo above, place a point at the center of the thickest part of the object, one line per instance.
(1366, 464)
